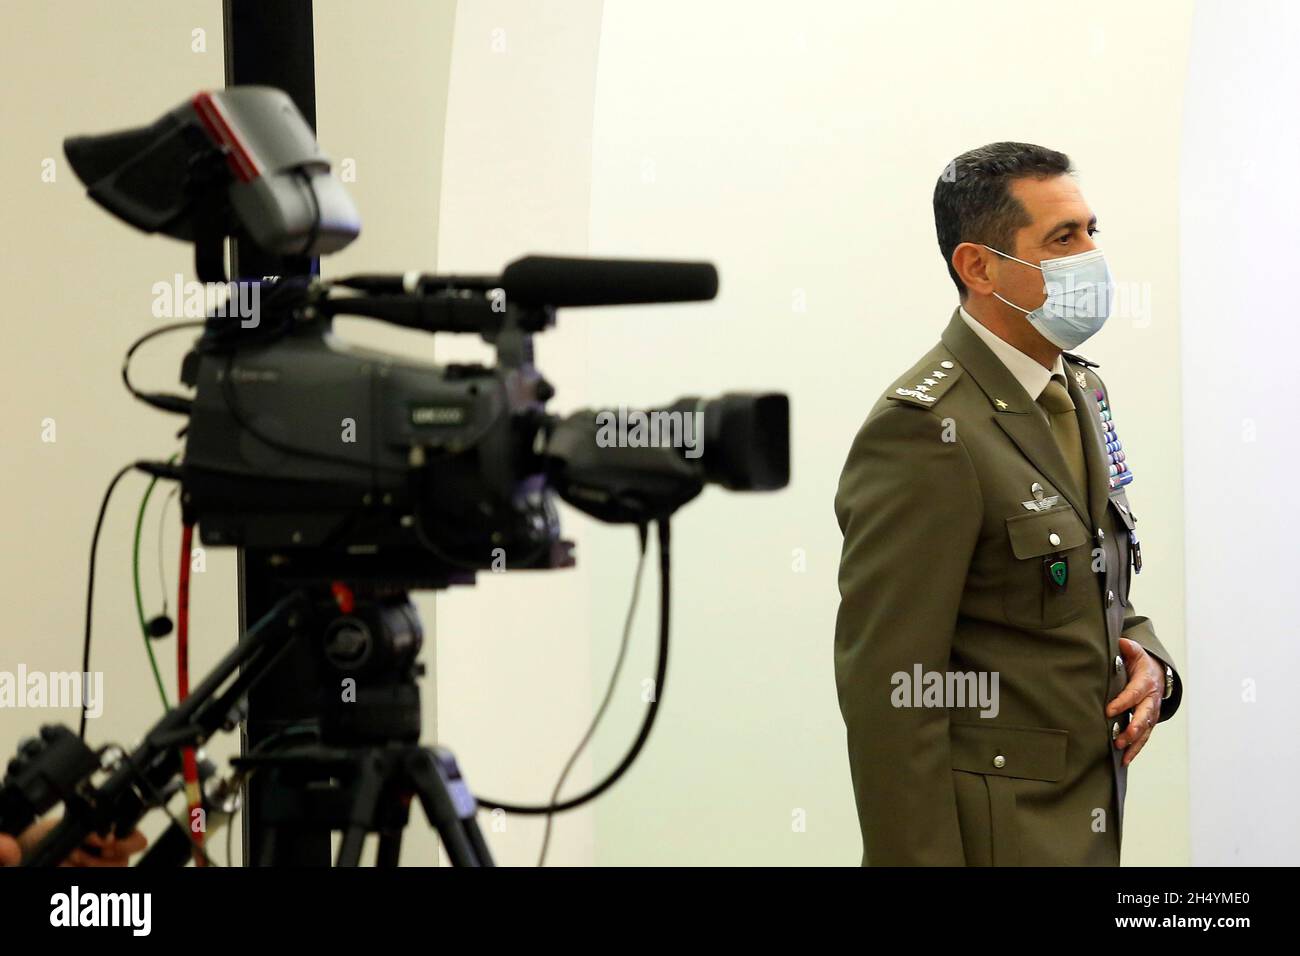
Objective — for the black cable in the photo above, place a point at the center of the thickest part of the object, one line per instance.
(90, 590)
(647, 723)
(168, 403)
(643, 534)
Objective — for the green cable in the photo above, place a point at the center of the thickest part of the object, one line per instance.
(139, 600)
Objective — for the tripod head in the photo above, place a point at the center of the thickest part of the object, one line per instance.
(366, 651)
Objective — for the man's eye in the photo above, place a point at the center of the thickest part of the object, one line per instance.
(1093, 231)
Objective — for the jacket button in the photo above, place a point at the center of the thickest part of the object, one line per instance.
(999, 761)
(1119, 664)
(1054, 539)
(1114, 730)
(1110, 598)
(1101, 535)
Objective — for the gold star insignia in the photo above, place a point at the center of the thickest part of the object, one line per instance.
(1000, 403)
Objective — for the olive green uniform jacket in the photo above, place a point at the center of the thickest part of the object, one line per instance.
(946, 570)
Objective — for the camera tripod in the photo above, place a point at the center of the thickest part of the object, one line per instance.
(368, 765)
(359, 777)
(369, 792)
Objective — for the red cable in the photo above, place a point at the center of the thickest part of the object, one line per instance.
(190, 761)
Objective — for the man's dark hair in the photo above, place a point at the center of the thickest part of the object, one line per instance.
(973, 201)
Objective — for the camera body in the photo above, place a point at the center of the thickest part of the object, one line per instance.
(335, 459)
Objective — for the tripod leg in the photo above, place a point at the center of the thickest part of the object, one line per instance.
(371, 773)
(477, 842)
(390, 848)
(449, 805)
(354, 838)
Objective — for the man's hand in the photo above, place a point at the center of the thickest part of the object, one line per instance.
(11, 854)
(1142, 695)
(96, 851)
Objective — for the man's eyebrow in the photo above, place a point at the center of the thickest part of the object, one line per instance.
(1070, 224)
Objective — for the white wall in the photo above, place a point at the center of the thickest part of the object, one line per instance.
(1240, 147)
(513, 684)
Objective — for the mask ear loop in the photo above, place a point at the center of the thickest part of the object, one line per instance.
(1005, 256)
(1012, 304)
(1024, 263)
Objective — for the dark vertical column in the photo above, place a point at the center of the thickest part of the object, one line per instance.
(272, 44)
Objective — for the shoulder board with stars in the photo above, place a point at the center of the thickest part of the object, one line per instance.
(932, 380)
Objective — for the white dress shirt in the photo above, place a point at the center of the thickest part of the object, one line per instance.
(1033, 378)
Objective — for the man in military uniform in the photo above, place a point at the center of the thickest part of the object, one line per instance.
(988, 534)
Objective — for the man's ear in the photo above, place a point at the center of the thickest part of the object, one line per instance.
(972, 263)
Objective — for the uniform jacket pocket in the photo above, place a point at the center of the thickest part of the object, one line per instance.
(1031, 753)
(990, 759)
(1038, 540)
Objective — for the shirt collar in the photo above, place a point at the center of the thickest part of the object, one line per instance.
(1031, 376)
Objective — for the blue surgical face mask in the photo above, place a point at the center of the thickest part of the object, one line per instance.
(1078, 291)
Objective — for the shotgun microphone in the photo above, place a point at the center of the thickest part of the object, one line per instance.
(565, 282)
